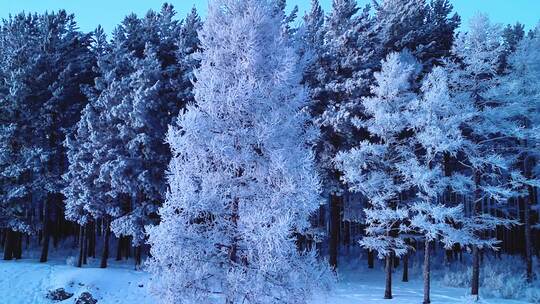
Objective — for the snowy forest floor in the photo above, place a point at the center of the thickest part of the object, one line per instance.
(27, 282)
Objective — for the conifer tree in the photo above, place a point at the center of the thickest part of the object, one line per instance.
(241, 180)
(375, 167)
(45, 61)
(518, 99)
(427, 30)
(487, 171)
(338, 75)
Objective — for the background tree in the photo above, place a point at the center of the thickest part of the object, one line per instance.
(374, 167)
(487, 169)
(43, 99)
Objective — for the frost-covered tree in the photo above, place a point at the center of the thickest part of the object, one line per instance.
(512, 35)
(376, 166)
(85, 200)
(45, 61)
(242, 177)
(435, 119)
(340, 72)
(487, 170)
(518, 100)
(426, 29)
(145, 79)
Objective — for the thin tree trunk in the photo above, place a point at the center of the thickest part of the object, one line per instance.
(105, 254)
(371, 258)
(426, 272)
(528, 202)
(334, 231)
(3, 237)
(81, 246)
(119, 248)
(405, 268)
(475, 282)
(85, 246)
(91, 235)
(138, 256)
(233, 254)
(528, 240)
(8, 249)
(388, 285)
(17, 251)
(127, 248)
(46, 231)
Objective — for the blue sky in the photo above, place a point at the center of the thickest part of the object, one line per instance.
(108, 13)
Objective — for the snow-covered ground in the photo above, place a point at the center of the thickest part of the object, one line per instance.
(366, 286)
(27, 282)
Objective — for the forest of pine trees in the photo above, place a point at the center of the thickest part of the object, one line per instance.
(246, 153)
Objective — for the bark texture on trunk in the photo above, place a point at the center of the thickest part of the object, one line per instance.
(138, 256)
(333, 243)
(388, 281)
(119, 248)
(81, 245)
(528, 164)
(46, 232)
(405, 277)
(475, 282)
(371, 258)
(528, 240)
(8, 249)
(427, 272)
(17, 251)
(105, 253)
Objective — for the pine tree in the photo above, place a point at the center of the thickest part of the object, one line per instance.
(427, 30)
(435, 120)
(338, 75)
(241, 179)
(487, 169)
(45, 62)
(518, 107)
(145, 79)
(375, 166)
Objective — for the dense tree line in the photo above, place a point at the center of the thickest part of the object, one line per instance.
(241, 152)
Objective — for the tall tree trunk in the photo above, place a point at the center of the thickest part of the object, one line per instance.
(85, 246)
(371, 258)
(105, 254)
(46, 231)
(334, 230)
(91, 239)
(3, 237)
(426, 272)
(233, 247)
(81, 246)
(388, 282)
(527, 203)
(405, 277)
(119, 248)
(138, 256)
(8, 249)
(528, 240)
(347, 234)
(475, 282)
(127, 247)
(17, 253)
